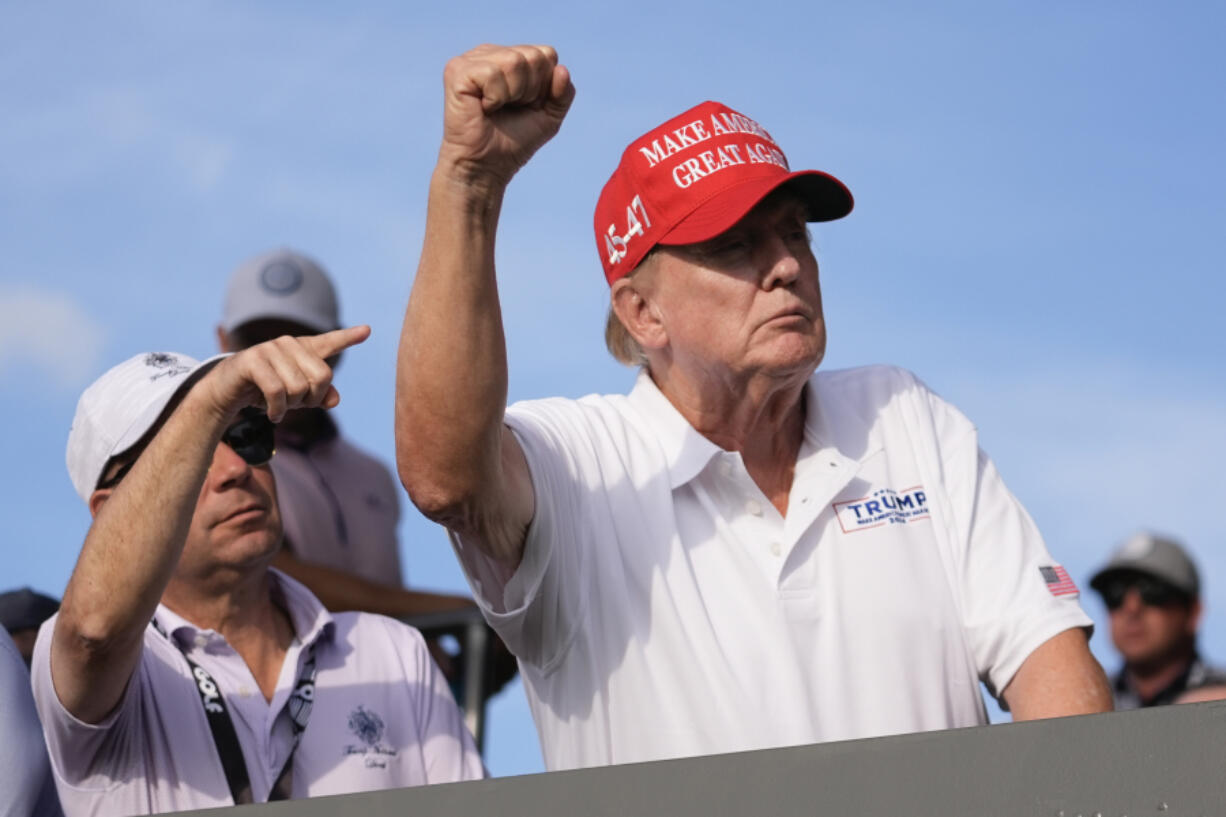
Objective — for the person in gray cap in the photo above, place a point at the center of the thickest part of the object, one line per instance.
(339, 504)
(1152, 592)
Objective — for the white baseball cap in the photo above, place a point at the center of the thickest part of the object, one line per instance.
(121, 406)
(282, 284)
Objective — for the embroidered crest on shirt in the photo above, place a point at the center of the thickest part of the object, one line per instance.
(1058, 581)
(368, 727)
(885, 506)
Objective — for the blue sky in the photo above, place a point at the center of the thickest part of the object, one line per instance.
(1037, 231)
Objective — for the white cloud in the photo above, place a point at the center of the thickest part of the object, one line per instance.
(50, 331)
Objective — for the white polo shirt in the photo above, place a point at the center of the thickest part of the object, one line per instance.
(383, 717)
(664, 608)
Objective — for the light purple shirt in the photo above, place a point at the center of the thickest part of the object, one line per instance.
(383, 717)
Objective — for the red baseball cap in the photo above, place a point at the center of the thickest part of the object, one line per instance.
(694, 177)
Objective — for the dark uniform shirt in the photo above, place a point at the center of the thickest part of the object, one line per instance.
(1198, 674)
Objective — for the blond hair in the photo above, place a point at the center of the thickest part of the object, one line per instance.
(617, 338)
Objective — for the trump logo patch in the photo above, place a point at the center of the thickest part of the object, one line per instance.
(884, 506)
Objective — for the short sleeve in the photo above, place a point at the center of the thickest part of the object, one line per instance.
(87, 756)
(536, 610)
(1011, 601)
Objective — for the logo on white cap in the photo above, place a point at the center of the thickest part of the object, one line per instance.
(168, 365)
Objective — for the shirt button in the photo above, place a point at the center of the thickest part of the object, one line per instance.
(202, 640)
(775, 549)
(245, 691)
(754, 507)
(725, 467)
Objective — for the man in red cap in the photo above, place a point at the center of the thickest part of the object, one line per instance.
(740, 553)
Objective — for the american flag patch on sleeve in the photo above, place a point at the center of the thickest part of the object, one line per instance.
(1058, 581)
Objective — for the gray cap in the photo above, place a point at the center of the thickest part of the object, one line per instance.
(284, 285)
(1156, 556)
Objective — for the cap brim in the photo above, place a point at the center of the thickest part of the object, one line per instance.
(826, 198)
(1100, 579)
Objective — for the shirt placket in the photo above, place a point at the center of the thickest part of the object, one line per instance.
(750, 516)
(821, 473)
(268, 733)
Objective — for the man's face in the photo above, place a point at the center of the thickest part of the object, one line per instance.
(237, 524)
(748, 300)
(1151, 623)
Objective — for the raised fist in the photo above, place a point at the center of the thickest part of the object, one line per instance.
(501, 104)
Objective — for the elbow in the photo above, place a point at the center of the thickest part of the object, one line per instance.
(447, 487)
(91, 636)
(439, 500)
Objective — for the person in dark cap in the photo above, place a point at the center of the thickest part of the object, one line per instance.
(22, 612)
(1152, 591)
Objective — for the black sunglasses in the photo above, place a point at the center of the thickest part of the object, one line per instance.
(251, 436)
(1153, 592)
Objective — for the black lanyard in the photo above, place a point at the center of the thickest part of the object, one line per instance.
(226, 739)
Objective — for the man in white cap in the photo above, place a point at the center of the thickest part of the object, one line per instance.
(181, 672)
(740, 553)
(1152, 592)
(339, 505)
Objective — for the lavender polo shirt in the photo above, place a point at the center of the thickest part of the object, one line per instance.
(383, 717)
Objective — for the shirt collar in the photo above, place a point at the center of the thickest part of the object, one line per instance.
(310, 619)
(686, 451)
(830, 422)
(834, 421)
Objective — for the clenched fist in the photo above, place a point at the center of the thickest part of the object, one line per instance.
(501, 104)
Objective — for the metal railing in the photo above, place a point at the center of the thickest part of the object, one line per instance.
(1165, 762)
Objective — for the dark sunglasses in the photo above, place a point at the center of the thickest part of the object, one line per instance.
(1153, 592)
(251, 436)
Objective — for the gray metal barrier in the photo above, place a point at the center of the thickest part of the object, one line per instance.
(1166, 762)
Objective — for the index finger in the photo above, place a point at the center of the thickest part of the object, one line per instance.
(330, 343)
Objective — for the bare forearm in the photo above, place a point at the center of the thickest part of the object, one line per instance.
(452, 370)
(126, 562)
(458, 463)
(1059, 678)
